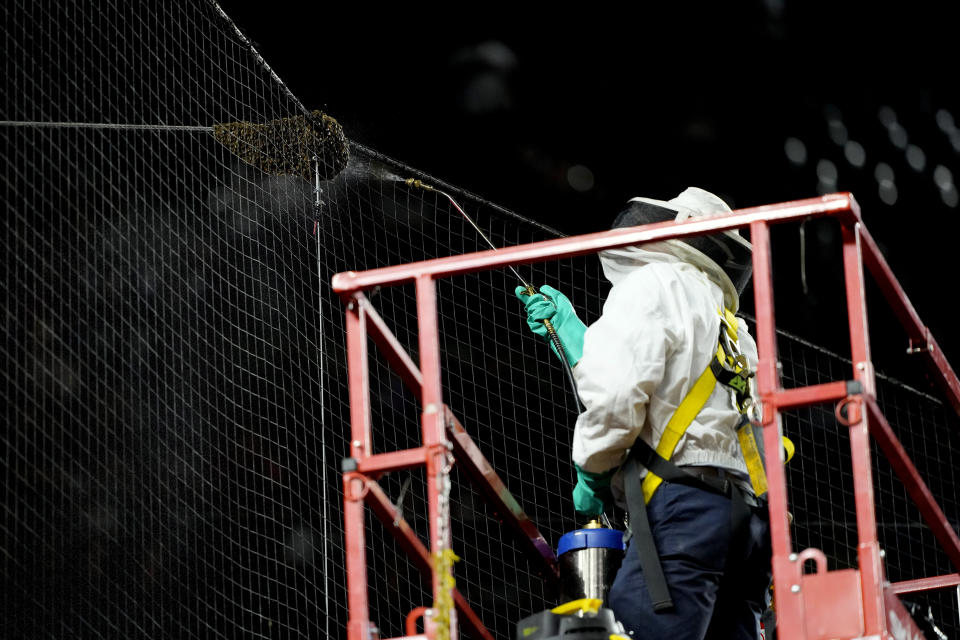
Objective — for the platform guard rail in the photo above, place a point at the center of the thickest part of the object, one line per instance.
(843, 603)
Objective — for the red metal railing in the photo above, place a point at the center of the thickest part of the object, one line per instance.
(847, 603)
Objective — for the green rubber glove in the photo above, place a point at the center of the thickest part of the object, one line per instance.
(557, 309)
(592, 492)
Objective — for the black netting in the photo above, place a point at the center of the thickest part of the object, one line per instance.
(174, 380)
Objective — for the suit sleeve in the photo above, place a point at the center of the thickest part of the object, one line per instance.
(623, 364)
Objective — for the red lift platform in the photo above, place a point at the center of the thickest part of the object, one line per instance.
(819, 605)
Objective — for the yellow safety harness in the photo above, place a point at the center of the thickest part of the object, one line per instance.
(730, 368)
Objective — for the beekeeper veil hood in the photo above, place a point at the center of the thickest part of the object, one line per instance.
(725, 257)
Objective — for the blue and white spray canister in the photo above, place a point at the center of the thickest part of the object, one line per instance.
(589, 559)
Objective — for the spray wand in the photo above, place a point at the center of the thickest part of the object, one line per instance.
(551, 331)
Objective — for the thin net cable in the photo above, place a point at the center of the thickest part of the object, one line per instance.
(321, 390)
(106, 126)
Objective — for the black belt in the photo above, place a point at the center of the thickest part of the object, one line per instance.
(723, 482)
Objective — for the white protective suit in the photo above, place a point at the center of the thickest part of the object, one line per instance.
(658, 332)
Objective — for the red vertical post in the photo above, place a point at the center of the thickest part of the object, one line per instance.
(868, 548)
(358, 624)
(439, 458)
(786, 569)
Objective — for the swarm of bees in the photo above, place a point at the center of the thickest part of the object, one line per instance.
(289, 146)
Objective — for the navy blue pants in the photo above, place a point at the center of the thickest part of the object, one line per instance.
(691, 528)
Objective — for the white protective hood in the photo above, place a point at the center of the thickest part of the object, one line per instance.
(693, 202)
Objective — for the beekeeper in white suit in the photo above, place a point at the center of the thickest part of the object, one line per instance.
(663, 376)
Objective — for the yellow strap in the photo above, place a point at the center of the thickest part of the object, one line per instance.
(587, 605)
(751, 456)
(733, 325)
(679, 421)
(789, 447)
(443, 604)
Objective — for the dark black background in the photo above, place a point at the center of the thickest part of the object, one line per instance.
(503, 99)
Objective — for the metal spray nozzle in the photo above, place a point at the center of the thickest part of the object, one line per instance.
(413, 182)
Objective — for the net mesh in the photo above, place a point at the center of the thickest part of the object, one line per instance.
(174, 376)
